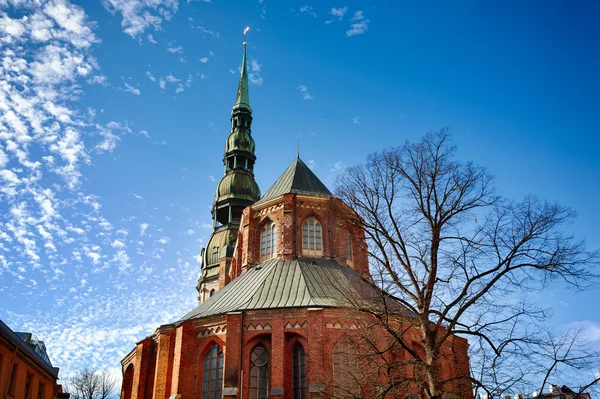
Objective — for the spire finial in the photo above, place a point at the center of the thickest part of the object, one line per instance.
(246, 29)
(242, 100)
(298, 148)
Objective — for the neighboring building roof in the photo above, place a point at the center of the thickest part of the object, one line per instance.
(279, 283)
(30, 345)
(297, 179)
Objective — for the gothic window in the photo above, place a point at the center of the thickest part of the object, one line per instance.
(299, 372)
(212, 384)
(259, 373)
(212, 292)
(311, 237)
(345, 372)
(348, 247)
(268, 240)
(214, 257)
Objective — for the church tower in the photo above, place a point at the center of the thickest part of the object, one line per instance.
(236, 190)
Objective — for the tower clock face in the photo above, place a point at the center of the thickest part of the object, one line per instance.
(260, 357)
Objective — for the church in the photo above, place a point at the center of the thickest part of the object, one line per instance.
(282, 274)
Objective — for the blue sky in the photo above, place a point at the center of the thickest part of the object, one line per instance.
(114, 114)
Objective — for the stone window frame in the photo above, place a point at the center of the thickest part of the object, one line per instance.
(268, 240)
(213, 362)
(299, 375)
(312, 246)
(259, 373)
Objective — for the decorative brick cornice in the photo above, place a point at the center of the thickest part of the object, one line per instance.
(296, 325)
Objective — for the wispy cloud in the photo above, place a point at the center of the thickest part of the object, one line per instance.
(174, 49)
(139, 15)
(308, 10)
(254, 74)
(338, 12)
(209, 32)
(304, 91)
(359, 26)
(130, 89)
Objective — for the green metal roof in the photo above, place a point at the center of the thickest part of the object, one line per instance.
(280, 283)
(297, 179)
(242, 100)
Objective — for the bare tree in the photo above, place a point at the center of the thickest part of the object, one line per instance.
(461, 260)
(91, 384)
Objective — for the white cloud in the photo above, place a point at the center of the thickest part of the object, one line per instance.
(304, 91)
(210, 32)
(130, 89)
(308, 10)
(360, 25)
(355, 120)
(338, 167)
(139, 15)
(172, 48)
(151, 39)
(143, 228)
(254, 74)
(204, 60)
(338, 12)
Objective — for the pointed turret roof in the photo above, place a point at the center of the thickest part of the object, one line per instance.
(297, 179)
(242, 100)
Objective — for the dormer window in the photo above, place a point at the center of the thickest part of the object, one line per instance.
(268, 241)
(214, 257)
(311, 237)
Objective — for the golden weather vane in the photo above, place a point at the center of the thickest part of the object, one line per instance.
(246, 29)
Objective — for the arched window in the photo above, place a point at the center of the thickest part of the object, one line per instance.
(214, 257)
(298, 372)
(259, 373)
(127, 382)
(212, 292)
(212, 384)
(348, 248)
(345, 372)
(268, 240)
(311, 237)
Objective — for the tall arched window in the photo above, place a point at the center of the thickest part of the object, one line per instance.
(259, 373)
(214, 257)
(212, 384)
(348, 248)
(299, 372)
(268, 240)
(345, 372)
(311, 237)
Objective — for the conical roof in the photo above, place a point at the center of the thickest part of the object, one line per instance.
(242, 100)
(297, 179)
(280, 283)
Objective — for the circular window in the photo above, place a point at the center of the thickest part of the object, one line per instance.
(259, 356)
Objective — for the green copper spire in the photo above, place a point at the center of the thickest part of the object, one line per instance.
(242, 100)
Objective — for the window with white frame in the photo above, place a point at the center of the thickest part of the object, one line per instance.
(268, 240)
(312, 240)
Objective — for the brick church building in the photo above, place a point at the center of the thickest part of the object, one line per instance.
(280, 275)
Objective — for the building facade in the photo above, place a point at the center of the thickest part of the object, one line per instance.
(281, 278)
(25, 368)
